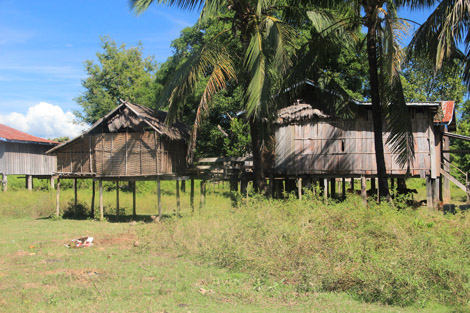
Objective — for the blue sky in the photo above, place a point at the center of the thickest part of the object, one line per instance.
(43, 45)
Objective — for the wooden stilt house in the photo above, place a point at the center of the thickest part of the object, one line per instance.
(24, 154)
(131, 141)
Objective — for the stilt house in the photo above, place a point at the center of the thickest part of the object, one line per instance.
(24, 154)
(131, 141)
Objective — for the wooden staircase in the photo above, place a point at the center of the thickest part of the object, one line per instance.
(445, 171)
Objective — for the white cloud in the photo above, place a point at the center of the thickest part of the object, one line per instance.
(45, 120)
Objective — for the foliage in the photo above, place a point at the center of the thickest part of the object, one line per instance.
(422, 83)
(237, 142)
(121, 73)
(60, 139)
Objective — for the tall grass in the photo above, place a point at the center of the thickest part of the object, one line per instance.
(374, 253)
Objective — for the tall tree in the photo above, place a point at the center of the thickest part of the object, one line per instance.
(265, 41)
(121, 73)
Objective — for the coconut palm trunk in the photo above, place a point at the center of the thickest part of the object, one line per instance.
(258, 162)
(376, 105)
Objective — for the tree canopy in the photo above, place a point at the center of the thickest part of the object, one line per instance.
(120, 73)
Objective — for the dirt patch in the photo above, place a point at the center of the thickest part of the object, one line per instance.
(77, 275)
(123, 240)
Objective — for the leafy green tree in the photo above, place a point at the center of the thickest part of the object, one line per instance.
(121, 73)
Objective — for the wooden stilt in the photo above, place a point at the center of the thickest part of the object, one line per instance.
(429, 192)
(325, 189)
(435, 192)
(372, 184)
(191, 198)
(178, 197)
(159, 199)
(343, 187)
(244, 187)
(52, 183)
(202, 194)
(75, 193)
(134, 202)
(29, 182)
(445, 167)
(314, 186)
(183, 186)
(299, 187)
(101, 198)
(93, 199)
(333, 188)
(57, 211)
(117, 200)
(4, 182)
(352, 184)
(363, 189)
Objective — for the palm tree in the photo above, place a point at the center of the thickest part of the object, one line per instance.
(265, 40)
(384, 54)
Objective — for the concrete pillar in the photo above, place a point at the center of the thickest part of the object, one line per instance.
(29, 182)
(52, 183)
(4, 182)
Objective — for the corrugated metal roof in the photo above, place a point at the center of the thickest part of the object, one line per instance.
(10, 134)
(447, 116)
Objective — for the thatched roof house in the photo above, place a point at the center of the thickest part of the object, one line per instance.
(130, 141)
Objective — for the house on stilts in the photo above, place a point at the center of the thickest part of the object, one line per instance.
(130, 143)
(24, 154)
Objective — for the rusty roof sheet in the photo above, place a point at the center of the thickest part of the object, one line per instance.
(10, 134)
(447, 114)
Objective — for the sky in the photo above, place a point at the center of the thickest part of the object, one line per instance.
(43, 46)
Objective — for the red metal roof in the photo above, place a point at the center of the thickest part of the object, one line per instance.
(8, 133)
(447, 108)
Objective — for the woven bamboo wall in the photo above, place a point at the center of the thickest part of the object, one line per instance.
(328, 147)
(123, 154)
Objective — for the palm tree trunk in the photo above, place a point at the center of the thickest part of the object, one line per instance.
(376, 111)
(258, 164)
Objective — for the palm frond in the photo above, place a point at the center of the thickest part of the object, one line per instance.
(139, 6)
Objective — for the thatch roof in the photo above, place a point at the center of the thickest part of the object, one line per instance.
(137, 117)
(298, 113)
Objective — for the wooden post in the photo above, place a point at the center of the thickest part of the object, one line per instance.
(93, 199)
(101, 198)
(446, 198)
(159, 199)
(372, 184)
(29, 182)
(178, 197)
(4, 182)
(435, 192)
(392, 183)
(134, 202)
(202, 199)
(52, 182)
(117, 200)
(314, 186)
(363, 189)
(191, 198)
(271, 186)
(325, 189)
(333, 187)
(429, 191)
(75, 192)
(57, 211)
(343, 187)
(352, 184)
(183, 186)
(299, 187)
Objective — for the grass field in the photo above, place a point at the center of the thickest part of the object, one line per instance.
(264, 256)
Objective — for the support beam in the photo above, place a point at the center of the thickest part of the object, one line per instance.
(202, 200)
(372, 184)
(57, 211)
(352, 185)
(325, 189)
(183, 185)
(333, 187)
(435, 192)
(299, 187)
(4, 182)
(117, 200)
(159, 199)
(244, 187)
(101, 198)
(191, 197)
(271, 186)
(134, 199)
(93, 192)
(29, 182)
(363, 189)
(52, 183)
(343, 187)
(429, 192)
(446, 198)
(178, 206)
(75, 193)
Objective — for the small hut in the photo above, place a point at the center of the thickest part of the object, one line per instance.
(130, 143)
(24, 154)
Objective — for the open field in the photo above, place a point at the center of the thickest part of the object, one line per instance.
(264, 256)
